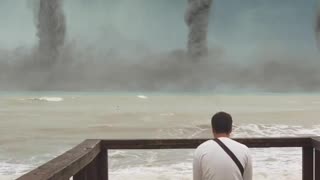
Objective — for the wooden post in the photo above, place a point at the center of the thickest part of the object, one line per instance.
(307, 163)
(102, 165)
(81, 175)
(93, 170)
(96, 170)
(317, 165)
(88, 172)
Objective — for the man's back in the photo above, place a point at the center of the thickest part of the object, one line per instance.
(211, 162)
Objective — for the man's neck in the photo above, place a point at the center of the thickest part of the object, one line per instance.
(222, 135)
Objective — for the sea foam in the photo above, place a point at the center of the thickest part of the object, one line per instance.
(46, 99)
(142, 97)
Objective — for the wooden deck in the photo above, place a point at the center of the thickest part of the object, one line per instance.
(89, 160)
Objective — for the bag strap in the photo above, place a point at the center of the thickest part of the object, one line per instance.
(230, 153)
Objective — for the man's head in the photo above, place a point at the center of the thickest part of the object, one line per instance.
(221, 124)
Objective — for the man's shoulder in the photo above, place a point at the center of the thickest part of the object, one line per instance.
(204, 145)
(235, 145)
(210, 143)
(240, 144)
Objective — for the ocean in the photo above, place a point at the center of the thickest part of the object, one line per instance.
(36, 127)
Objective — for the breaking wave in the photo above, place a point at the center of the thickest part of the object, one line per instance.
(46, 99)
(10, 171)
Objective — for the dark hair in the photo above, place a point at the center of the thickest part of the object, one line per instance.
(222, 122)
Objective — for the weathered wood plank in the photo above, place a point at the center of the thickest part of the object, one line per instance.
(193, 143)
(66, 165)
(307, 163)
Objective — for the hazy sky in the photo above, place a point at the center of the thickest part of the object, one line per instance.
(159, 23)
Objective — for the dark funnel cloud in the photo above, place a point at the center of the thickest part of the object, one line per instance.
(51, 31)
(254, 45)
(197, 20)
(317, 26)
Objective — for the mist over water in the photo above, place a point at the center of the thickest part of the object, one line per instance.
(134, 46)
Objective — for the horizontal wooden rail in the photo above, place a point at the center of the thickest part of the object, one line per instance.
(89, 161)
(193, 143)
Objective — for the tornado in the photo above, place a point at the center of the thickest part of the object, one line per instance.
(197, 20)
(317, 26)
(51, 30)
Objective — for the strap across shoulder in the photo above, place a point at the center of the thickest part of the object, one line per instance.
(231, 154)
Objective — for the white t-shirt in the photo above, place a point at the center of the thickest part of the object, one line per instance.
(211, 162)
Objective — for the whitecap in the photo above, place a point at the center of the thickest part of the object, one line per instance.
(142, 97)
(51, 99)
(47, 99)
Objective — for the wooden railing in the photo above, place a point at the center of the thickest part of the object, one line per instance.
(89, 160)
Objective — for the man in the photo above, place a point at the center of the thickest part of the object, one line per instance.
(222, 158)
